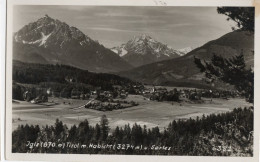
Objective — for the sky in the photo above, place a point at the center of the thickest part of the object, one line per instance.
(179, 27)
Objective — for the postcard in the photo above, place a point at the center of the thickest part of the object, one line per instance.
(149, 80)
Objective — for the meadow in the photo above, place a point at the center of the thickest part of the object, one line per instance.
(149, 113)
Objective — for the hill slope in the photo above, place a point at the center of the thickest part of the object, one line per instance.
(31, 73)
(183, 72)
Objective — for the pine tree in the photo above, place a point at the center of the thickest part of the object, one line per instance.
(243, 16)
(104, 128)
(58, 128)
(97, 132)
(233, 70)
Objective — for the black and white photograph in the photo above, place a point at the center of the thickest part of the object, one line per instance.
(132, 80)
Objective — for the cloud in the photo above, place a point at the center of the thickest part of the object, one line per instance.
(177, 26)
(111, 29)
(72, 8)
(118, 14)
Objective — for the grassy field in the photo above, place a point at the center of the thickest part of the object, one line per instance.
(149, 113)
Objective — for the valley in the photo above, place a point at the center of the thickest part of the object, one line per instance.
(75, 72)
(149, 113)
(175, 77)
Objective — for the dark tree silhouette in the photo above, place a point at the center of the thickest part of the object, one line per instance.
(104, 128)
(199, 136)
(233, 70)
(243, 16)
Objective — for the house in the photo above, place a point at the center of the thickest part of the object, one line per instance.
(41, 98)
(183, 95)
(117, 87)
(160, 90)
(55, 93)
(75, 93)
(69, 79)
(146, 91)
(84, 96)
(123, 95)
(27, 96)
(93, 94)
(48, 91)
(108, 94)
(194, 96)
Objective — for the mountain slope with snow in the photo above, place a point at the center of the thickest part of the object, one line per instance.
(57, 42)
(143, 50)
(186, 50)
(182, 71)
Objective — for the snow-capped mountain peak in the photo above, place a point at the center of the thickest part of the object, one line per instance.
(49, 32)
(144, 46)
(120, 50)
(55, 41)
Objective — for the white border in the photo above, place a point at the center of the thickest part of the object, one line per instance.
(2, 73)
(126, 158)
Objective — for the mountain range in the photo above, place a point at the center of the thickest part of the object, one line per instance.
(182, 71)
(142, 59)
(50, 41)
(143, 49)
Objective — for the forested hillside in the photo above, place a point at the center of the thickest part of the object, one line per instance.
(226, 134)
(37, 73)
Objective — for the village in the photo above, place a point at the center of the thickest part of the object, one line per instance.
(108, 100)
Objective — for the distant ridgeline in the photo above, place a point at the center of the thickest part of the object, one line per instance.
(58, 77)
